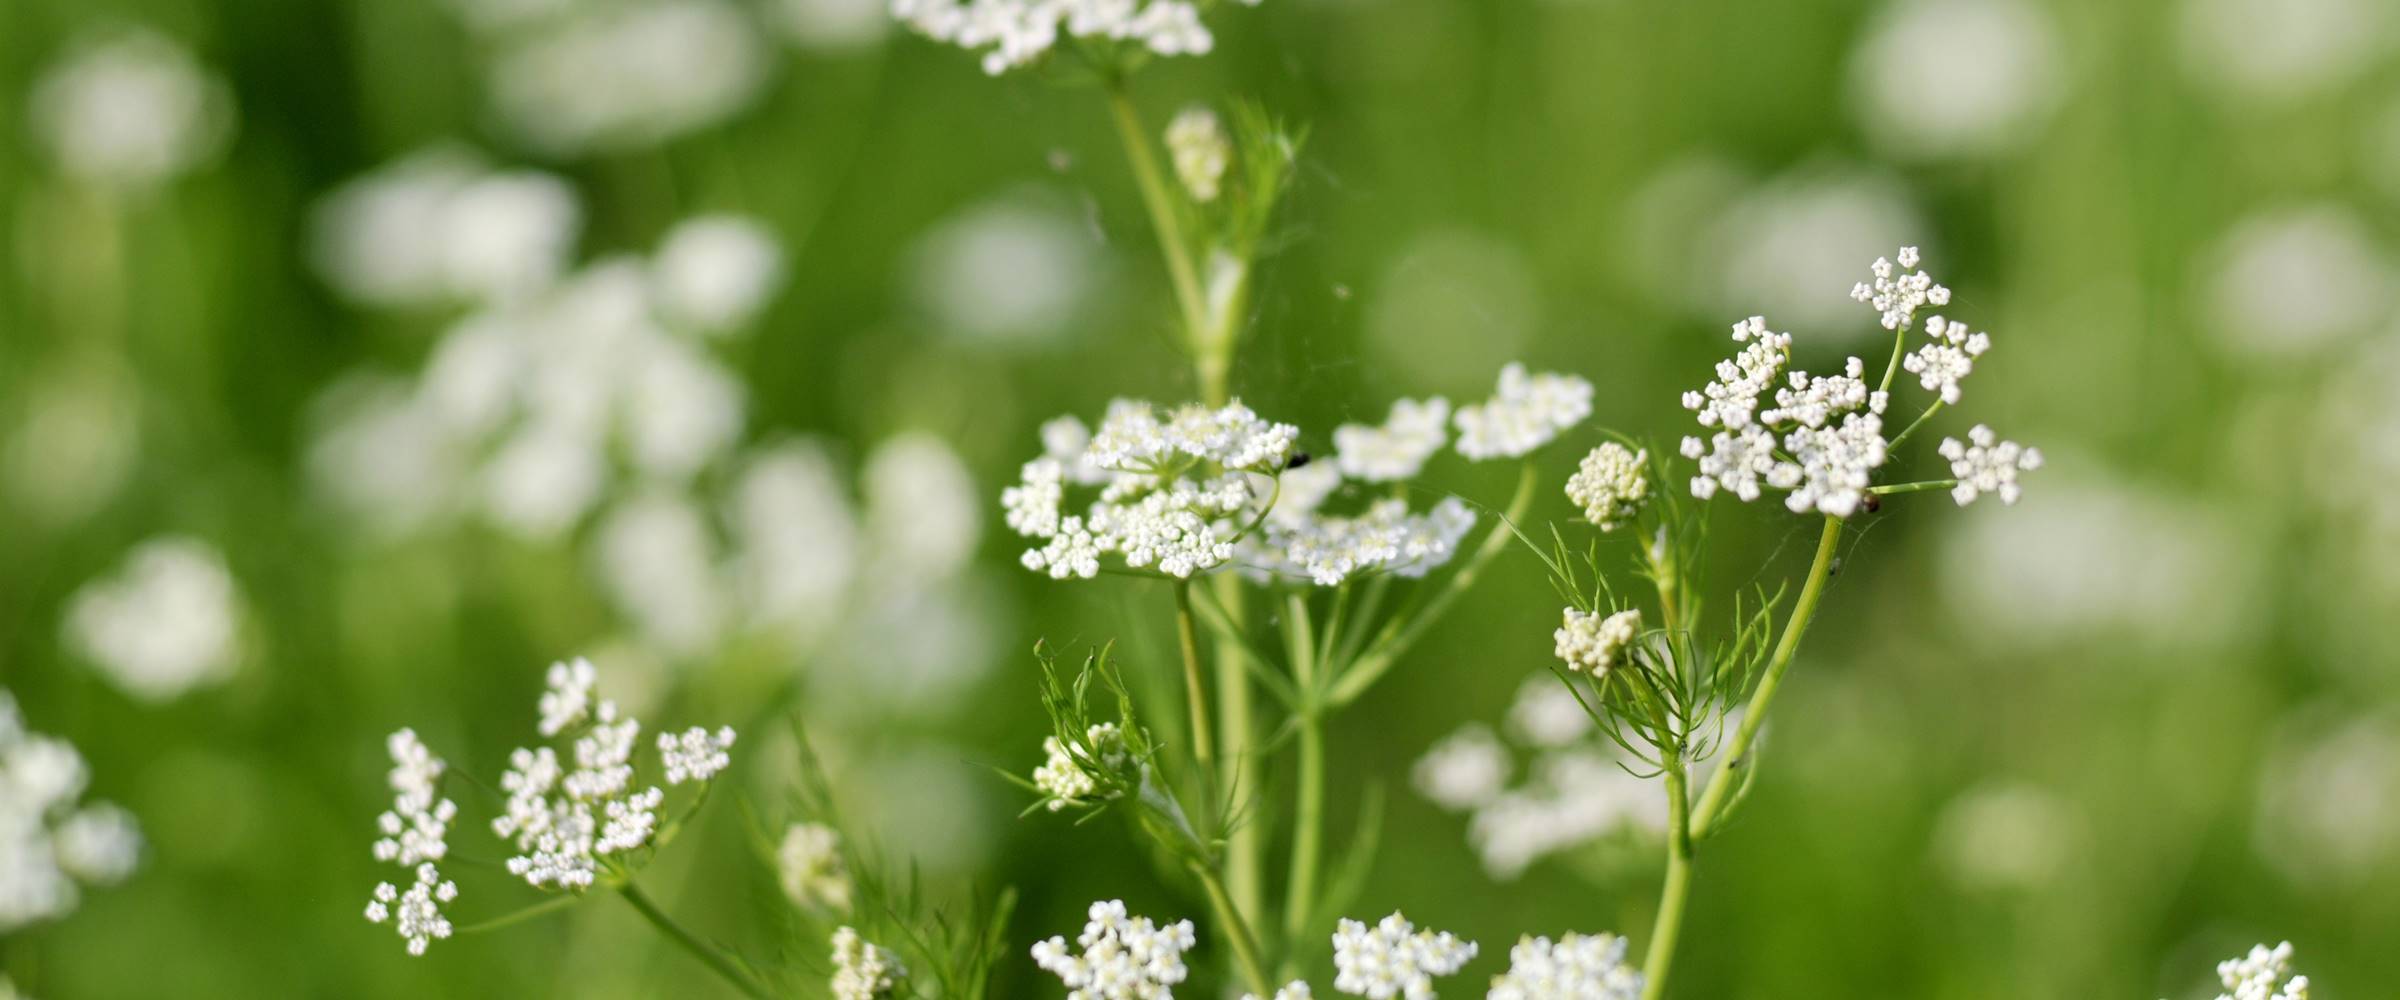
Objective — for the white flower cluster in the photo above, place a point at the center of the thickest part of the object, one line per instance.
(1398, 448)
(567, 824)
(1578, 966)
(1985, 464)
(130, 111)
(862, 971)
(1574, 790)
(1063, 781)
(627, 75)
(1018, 32)
(166, 621)
(48, 840)
(1828, 466)
(415, 834)
(1526, 413)
(697, 755)
(1150, 512)
(2263, 974)
(1394, 958)
(559, 385)
(1592, 643)
(1123, 958)
(1821, 439)
(810, 864)
(1300, 543)
(1196, 142)
(1611, 485)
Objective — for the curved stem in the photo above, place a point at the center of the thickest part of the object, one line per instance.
(1737, 753)
(1914, 424)
(707, 954)
(1204, 752)
(518, 916)
(1404, 629)
(1676, 890)
(1245, 945)
(1160, 202)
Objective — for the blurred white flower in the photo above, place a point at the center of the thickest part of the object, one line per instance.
(682, 409)
(131, 110)
(798, 545)
(1013, 33)
(715, 272)
(695, 754)
(862, 971)
(167, 620)
(438, 225)
(1526, 412)
(1012, 270)
(1197, 143)
(1466, 769)
(2004, 835)
(1575, 967)
(924, 515)
(630, 75)
(1955, 78)
(1445, 281)
(542, 481)
(1546, 715)
(656, 559)
(2085, 558)
(2295, 282)
(382, 459)
(2273, 52)
(2329, 797)
(48, 839)
(1396, 449)
(809, 863)
(1789, 247)
(1572, 797)
(833, 25)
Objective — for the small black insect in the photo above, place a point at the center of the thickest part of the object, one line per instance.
(1299, 458)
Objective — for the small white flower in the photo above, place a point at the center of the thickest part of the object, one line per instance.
(1394, 958)
(1396, 450)
(1527, 411)
(1466, 769)
(862, 971)
(165, 622)
(131, 111)
(1897, 293)
(1594, 643)
(697, 755)
(1575, 967)
(417, 827)
(420, 920)
(1197, 143)
(2263, 974)
(1985, 464)
(567, 698)
(715, 272)
(1123, 958)
(1062, 780)
(47, 841)
(810, 863)
(1611, 485)
(1833, 467)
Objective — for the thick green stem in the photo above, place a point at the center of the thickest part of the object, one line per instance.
(707, 954)
(1160, 201)
(1677, 888)
(1245, 944)
(1737, 752)
(1246, 845)
(1204, 751)
(1308, 804)
(1930, 484)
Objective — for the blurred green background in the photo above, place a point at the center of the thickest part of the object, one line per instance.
(2084, 746)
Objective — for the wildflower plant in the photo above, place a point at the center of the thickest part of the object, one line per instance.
(1677, 691)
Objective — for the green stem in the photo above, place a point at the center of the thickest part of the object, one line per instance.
(1245, 945)
(1246, 846)
(1892, 367)
(1930, 484)
(1308, 807)
(518, 916)
(1204, 752)
(1913, 425)
(1404, 630)
(1737, 753)
(1677, 888)
(707, 954)
(1160, 201)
